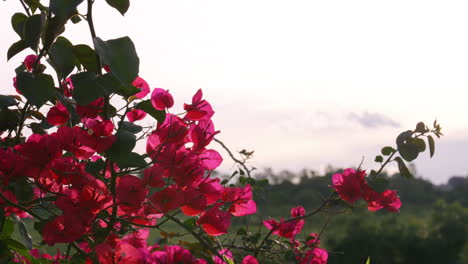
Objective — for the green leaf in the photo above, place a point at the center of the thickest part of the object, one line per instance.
(16, 48)
(27, 239)
(32, 31)
(87, 57)
(409, 151)
(109, 83)
(9, 119)
(368, 260)
(55, 27)
(378, 158)
(22, 250)
(420, 143)
(121, 5)
(95, 167)
(159, 115)
(378, 184)
(61, 57)
(38, 89)
(7, 100)
(122, 147)
(131, 160)
(22, 189)
(404, 171)
(86, 88)
(128, 126)
(420, 128)
(64, 8)
(121, 57)
(403, 137)
(430, 141)
(17, 22)
(386, 151)
(128, 90)
(8, 228)
(190, 222)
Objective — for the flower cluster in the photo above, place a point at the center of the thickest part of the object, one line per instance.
(351, 186)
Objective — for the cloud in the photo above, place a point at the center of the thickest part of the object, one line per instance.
(372, 120)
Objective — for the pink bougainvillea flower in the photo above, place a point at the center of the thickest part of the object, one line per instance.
(136, 115)
(287, 229)
(16, 87)
(199, 109)
(131, 191)
(241, 200)
(201, 134)
(161, 99)
(388, 199)
(168, 199)
(194, 202)
(314, 256)
(214, 221)
(58, 115)
(349, 185)
(153, 176)
(249, 260)
(225, 253)
(143, 86)
(91, 110)
(29, 62)
(67, 87)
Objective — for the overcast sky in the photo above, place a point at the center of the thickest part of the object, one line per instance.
(303, 83)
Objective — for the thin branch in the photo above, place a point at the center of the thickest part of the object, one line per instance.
(242, 163)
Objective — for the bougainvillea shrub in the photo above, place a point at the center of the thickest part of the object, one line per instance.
(68, 161)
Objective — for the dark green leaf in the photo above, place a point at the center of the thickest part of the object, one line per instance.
(62, 58)
(27, 239)
(95, 167)
(121, 5)
(378, 184)
(32, 31)
(86, 88)
(131, 160)
(55, 27)
(146, 106)
(38, 89)
(378, 158)
(6, 100)
(121, 57)
(16, 48)
(420, 143)
(430, 141)
(420, 128)
(20, 68)
(87, 57)
(128, 90)
(387, 151)
(22, 250)
(22, 189)
(9, 119)
(75, 19)
(403, 137)
(17, 22)
(409, 151)
(36, 128)
(122, 147)
(8, 228)
(128, 126)
(109, 83)
(64, 8)
(404, 171)
(190, 222)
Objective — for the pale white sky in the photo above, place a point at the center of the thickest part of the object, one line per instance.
(303, 83)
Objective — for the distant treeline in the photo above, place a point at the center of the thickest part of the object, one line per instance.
(432, 226)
